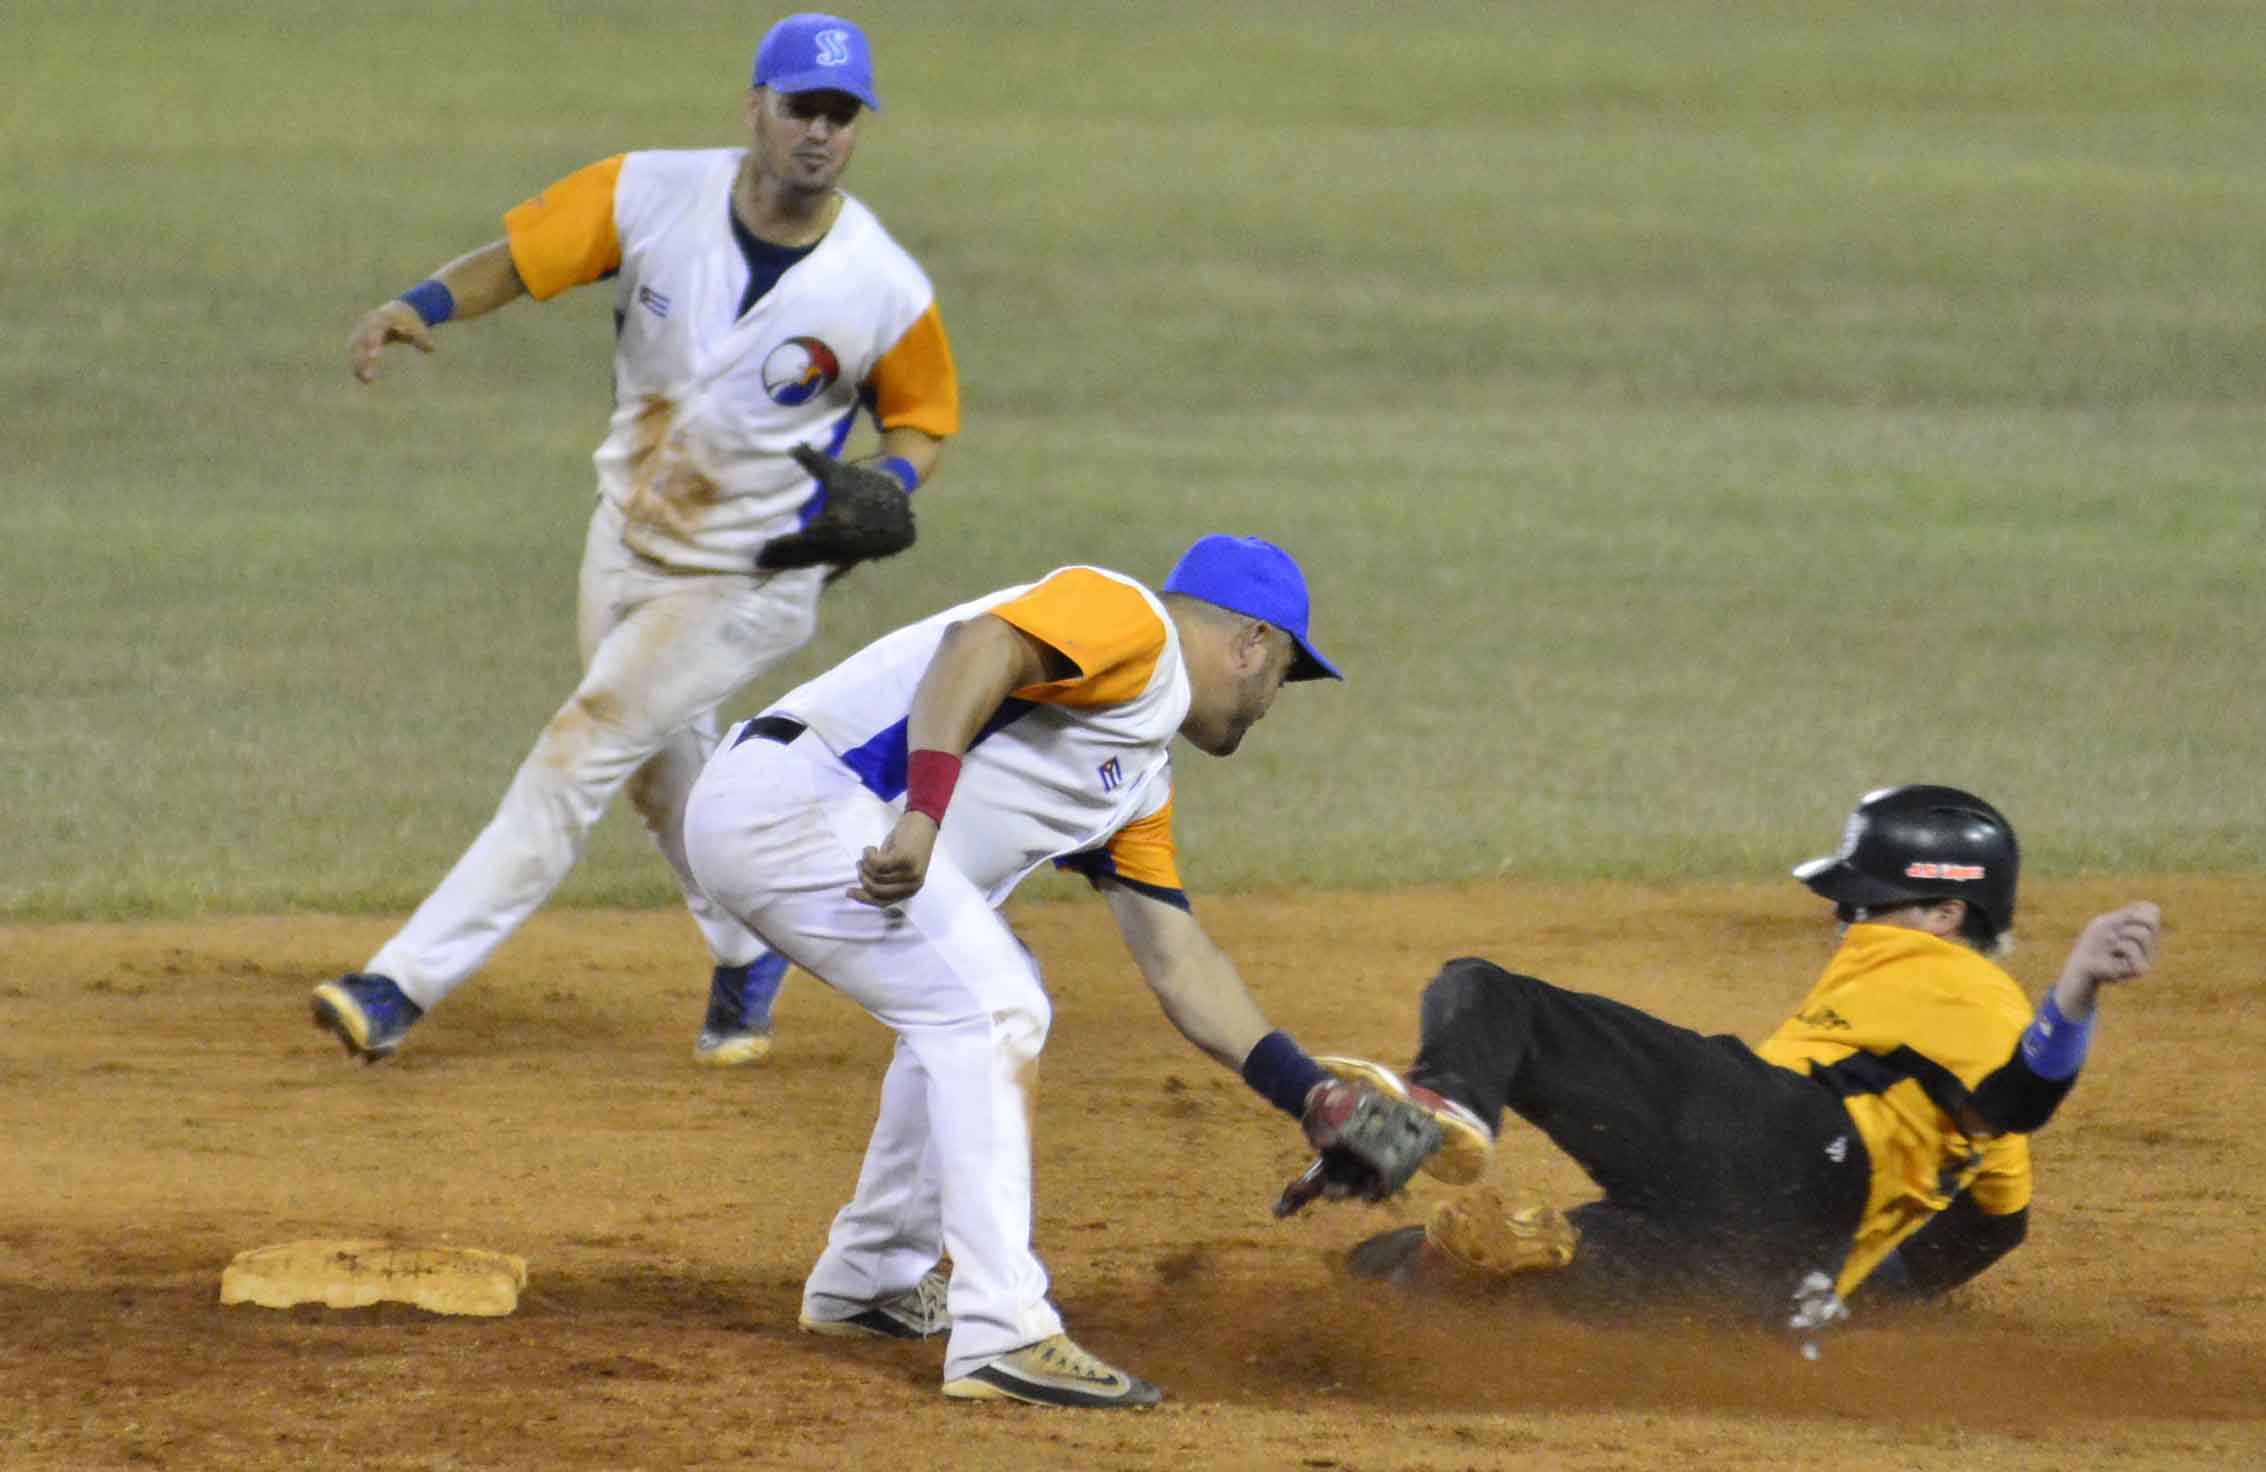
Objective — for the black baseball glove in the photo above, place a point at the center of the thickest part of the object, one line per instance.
(1370, 1144)
(867, 515)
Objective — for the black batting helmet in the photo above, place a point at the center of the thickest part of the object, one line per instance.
(1904, 845)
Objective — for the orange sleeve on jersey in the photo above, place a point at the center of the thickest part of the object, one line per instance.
(565, 236)
(1143, 851)
(1105, 628)
(914, 384)
(2002, 1186)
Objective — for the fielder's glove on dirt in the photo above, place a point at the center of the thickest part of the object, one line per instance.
(1370, 1144)
(867, 515)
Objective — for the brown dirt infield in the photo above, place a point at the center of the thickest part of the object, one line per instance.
(166, 1105)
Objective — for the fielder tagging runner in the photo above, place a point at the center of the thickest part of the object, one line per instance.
(756, 308)
(869, 826)
(1876, 1144)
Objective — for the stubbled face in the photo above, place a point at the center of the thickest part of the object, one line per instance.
(1241, 691)
(802, 141)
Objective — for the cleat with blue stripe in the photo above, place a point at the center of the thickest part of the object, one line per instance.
(737, 1030)
(366, 1012)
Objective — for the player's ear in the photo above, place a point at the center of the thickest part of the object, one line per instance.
(751, 106)
(1944, 917)
(1252, 644)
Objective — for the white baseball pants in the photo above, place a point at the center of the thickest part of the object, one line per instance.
(774, 833)
(661, 650)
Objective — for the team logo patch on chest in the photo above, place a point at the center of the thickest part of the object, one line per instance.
(1112, 775)
(799, 370)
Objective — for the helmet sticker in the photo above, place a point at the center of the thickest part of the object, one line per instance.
(1943, 871)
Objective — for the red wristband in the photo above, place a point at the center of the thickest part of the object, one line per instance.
(929, 778)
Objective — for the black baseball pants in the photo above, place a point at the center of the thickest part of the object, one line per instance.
(1724, 1176)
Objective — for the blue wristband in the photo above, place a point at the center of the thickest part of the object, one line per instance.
(2053, 1046)
(1282, 1073)
(432, 302)
(902, 469)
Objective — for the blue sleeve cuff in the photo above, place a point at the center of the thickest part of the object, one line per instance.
(2053, 1046)
(432, 302)
(901, 468)
(1282, 1073)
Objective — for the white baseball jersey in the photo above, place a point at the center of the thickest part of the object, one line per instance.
(1077, 769)
(1071, 769)
(708, 401)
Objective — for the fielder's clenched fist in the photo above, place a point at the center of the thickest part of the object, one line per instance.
(894, 871)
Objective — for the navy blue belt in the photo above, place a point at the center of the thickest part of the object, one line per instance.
(781, 729)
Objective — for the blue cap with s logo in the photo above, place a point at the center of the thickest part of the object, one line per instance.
(813, 52)
(1257, 579)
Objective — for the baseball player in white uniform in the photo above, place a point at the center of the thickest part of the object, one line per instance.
(869, 825)
(757, 308)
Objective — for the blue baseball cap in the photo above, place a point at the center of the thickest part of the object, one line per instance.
(814, 52)
(1256, 578)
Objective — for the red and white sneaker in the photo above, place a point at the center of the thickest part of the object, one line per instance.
(1466, 1143)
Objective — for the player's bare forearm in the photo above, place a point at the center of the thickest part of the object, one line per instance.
(916, 447)
(979, 663)
(478, 282)
(2021, 1095)
(1197, 985)
(482, 280)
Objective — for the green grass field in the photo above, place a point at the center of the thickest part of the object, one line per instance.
(1690, 414)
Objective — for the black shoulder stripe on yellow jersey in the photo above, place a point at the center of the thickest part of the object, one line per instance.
(1877, 1073)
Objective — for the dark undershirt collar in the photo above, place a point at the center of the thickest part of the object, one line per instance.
(766, 262)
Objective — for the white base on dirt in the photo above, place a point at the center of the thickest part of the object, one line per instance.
(354, 1273)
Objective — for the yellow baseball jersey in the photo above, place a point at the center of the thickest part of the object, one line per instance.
(1075, 769)
(1902, 1025)
(708, 400)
